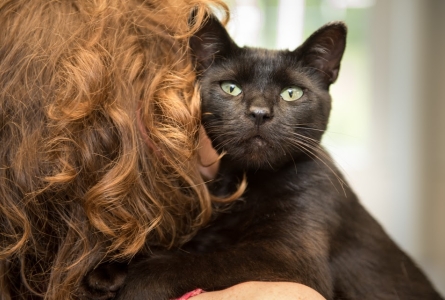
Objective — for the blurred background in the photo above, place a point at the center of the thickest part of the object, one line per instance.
(387, 126)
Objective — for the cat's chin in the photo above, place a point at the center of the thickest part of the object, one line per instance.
(260, 153)
(258, 141)
(256, 153)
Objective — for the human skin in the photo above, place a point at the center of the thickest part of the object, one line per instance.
(208, 156)
(263, 290)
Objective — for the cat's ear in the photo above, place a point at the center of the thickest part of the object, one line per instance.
(210, 43)
(324, 49)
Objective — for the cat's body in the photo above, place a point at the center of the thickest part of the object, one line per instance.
(297, 220)
(315, 233)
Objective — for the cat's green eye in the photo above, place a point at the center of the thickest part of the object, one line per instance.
(291, 93)
(231, 88)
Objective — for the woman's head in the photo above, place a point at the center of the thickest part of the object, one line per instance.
(98, 131)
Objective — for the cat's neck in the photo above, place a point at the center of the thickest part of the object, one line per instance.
(294, 175)
(228, 166)
(231, 171)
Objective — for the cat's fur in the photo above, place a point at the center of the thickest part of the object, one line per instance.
(297, 220)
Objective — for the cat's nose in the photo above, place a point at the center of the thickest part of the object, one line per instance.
(260, 114)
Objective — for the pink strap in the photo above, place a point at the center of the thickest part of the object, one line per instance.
(190, 294)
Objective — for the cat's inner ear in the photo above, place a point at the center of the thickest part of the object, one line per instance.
(209, 43)
(323, 50)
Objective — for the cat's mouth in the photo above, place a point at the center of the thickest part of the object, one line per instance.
(258, 141)
(257, 151)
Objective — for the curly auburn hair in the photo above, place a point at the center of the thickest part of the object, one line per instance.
(99, 124)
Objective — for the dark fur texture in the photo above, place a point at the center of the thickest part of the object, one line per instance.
(297, 221)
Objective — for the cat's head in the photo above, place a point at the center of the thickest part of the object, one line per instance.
(266, 107)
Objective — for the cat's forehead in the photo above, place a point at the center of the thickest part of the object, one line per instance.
(265, 56)
(264, 61)
(262, 53)
(264, 65)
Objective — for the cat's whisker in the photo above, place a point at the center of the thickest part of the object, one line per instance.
(320, 151)
(315, 143)
(305, 137)
(226, 141)
(309, 128)
(290, 155)
(298, 124)
(316, 151)
(270, 165)
(310, 153)
(304, 127)
(216, 131)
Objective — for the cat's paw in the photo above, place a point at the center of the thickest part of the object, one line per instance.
(103, 282)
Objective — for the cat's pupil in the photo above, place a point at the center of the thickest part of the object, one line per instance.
(290, 93)
(231, 88)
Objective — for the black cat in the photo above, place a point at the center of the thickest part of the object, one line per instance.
(297, 221)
